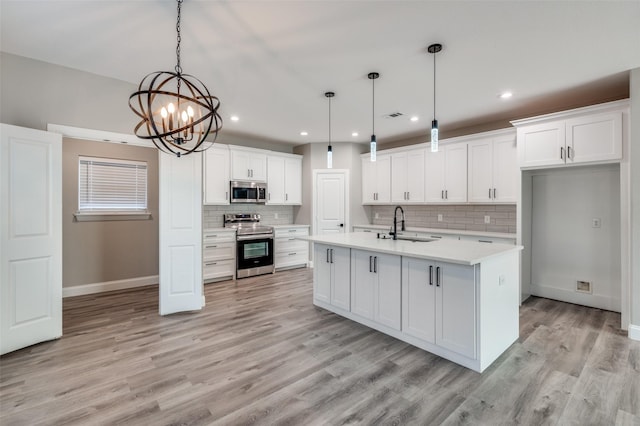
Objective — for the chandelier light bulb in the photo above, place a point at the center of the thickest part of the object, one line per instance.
(163, 112)
(190, 111)
(171, 108)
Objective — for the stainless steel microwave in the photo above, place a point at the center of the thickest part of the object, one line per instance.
(248, 192)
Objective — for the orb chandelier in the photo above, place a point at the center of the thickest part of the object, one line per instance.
(177, 111)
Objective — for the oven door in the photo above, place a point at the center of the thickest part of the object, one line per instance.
(255, 251)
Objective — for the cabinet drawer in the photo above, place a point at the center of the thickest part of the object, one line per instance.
(287, 245)
(218, 251)
(287, 232)
(283, 260)
(218, 269)
(219, 237)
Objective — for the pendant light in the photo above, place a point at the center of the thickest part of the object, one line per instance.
(373, 76)
(433, 49)
(177, 111)
(329, 149)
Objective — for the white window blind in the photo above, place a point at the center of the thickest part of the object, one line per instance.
(107, 184)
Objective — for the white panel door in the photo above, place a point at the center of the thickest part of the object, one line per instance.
(399, 174)
(434, 176)
(363, 283)
(541, 144)
(293, 180)
(181, 285)
(386, 269)
(455, 173)
(594, 138)
(505, 170)
(322, 273)
(340, 277)
(330, 203)
(31, 237)
(480, 185)
(415, 176)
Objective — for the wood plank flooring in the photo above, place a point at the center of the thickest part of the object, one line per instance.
(261, 353)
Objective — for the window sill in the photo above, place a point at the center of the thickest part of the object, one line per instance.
(108, 216)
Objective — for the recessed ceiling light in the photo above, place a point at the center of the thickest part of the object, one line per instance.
(303, 133)
(505, 95)
(414, 118)
(235, 118)
(354, 134)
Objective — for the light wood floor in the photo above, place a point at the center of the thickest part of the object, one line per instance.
(261, 353)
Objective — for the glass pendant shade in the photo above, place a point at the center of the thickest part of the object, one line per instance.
(372, 148)
(329, 158)
(329, 95)
(434, 136)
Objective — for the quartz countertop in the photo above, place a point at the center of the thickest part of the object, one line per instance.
(386, 228)
(442, 250)
(292, 225)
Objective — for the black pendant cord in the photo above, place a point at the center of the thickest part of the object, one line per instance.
(373, 106)
(329, 121)
(178, 39)
(434, 86)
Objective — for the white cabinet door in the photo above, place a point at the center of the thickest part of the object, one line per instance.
(505, 170)
(493, 170)
(455, 173)
(387, 273)
(415, 176)
(340, 258)
(594, 138)
(418, 299)
(248, 166)
(275, 180)
(376, 180)
(434, 176)
(216, 175)
(321, 273)
(407, 176)
(541, 144)
(293, 180)
(456, 308)
(31, 237)
(480, 185)
(362, 283)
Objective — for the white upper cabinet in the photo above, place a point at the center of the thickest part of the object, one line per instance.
(446, 174)
(216, 175)
(407, 176)
(248, 164)
(493, 170)
(376, 180)
(586, 135)
(284, 177)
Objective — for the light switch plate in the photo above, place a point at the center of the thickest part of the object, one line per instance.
(596, 222)
(487, 219)
(439, 217)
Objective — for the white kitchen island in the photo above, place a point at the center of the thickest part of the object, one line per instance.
(456, 299)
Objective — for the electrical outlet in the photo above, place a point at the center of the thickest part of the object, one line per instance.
(487, 219)
(377, 216)
(275, 215)
(596, 222)
(439, 217)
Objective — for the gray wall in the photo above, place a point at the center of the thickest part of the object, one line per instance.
(96, 252)
(345, 156)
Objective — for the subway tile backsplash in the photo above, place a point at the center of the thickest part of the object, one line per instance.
(212, 215)
(461, 217)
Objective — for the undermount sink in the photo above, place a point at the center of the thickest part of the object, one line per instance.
(416, 239)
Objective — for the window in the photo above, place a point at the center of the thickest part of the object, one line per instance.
(111, 187)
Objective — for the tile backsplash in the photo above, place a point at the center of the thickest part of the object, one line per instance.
(212, 215)
(462, 217)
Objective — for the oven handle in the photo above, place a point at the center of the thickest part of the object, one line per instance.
(254, 237)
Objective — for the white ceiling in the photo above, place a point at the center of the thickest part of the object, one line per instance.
(270, 62)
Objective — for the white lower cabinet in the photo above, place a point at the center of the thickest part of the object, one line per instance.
(289, 251)
(375, 287)
(331, 275)
(439, 304)
(219, 255)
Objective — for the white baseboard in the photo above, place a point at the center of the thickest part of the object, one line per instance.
(79, 290)
(585, 299)
(634, 332)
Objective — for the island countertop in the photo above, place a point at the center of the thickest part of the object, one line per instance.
(444, 250)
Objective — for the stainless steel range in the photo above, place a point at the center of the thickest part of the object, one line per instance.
(254, 244)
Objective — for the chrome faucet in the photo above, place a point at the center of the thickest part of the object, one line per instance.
(395, 222)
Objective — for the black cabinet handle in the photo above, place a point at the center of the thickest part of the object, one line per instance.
(370, 260)
(328, 255)
(430, 274)
(375, 264)
(437, 276)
